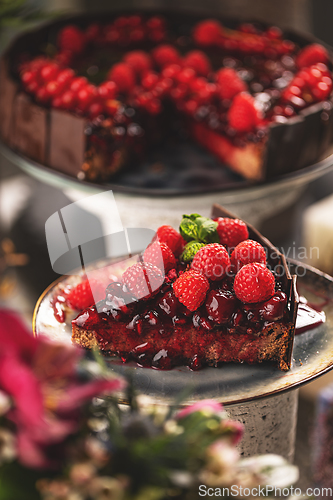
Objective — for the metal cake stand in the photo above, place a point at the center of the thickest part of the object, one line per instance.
(262, 397)
(190, 181)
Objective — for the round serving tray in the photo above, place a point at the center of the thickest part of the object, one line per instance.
(229, 383)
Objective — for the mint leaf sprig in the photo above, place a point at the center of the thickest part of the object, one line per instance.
(197, 231)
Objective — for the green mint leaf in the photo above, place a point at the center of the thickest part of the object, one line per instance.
(192, 216)
(207, 230)
(190, 250)
(188, 229)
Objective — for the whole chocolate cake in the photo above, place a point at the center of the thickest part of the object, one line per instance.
(90, 97)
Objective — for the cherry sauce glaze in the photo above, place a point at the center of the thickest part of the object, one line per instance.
(159, 332)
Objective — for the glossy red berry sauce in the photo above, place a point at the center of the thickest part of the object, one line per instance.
(163, 333)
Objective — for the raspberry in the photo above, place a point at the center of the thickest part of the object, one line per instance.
(68, 100)
(191, 288)
(312, 54)
(143, 280)
(108, 90)
(243, 115)
(254, 283)
(164, 55)
(172, 238)
(85, 97)
(49, 72)
(65, 77)
(71, 39)
(82, 296)
(139, 61)
(246, 252)
(150, 80)
(198, 61)
(231, 231)
(160, 255)
(230, 83)
(309, 85)
(207, 32)
(123, 76)
(212, 260)
(77, 83)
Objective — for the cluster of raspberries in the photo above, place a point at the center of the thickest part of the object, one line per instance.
(145, 79)
(253, 281)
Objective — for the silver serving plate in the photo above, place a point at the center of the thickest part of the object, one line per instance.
(229, 383)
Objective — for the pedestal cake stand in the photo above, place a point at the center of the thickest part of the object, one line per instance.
(187, 180)
(262, 397)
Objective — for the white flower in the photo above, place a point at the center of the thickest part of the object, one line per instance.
(221, 464)
(270, 469)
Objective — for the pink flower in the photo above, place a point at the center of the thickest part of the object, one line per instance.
(40, 377)
(236, 429)
(206, 405)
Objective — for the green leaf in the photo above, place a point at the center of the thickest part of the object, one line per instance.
(192, 216)
(188, 229)
(190, 250)
(207, 230)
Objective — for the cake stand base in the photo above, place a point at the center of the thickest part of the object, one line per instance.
(270, 424)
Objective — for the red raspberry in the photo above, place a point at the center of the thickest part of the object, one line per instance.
(198, 61)
(212, 260)
(164, 55)
(42, 95)
(143, 280)
(68, 100)
(243, 115)
(172, 238)
(231, 231)
(95, 109)
(123, 76)
(77, 83)
(82, 296)
(156, 23)
(230, 83)
(207, 32)
(312, 54)
(160, 255)
(85, 96)
(309, 85)
(246, 252)
(171, 71)
(139, 61)
(29, 77)
(108, 90)
(53, 89)
(191, 288)
(49, 72)
(65, 77)
(150, 80)
(71, 39)
(254, 283)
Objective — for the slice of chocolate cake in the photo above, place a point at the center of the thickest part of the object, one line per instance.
(226, 296)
